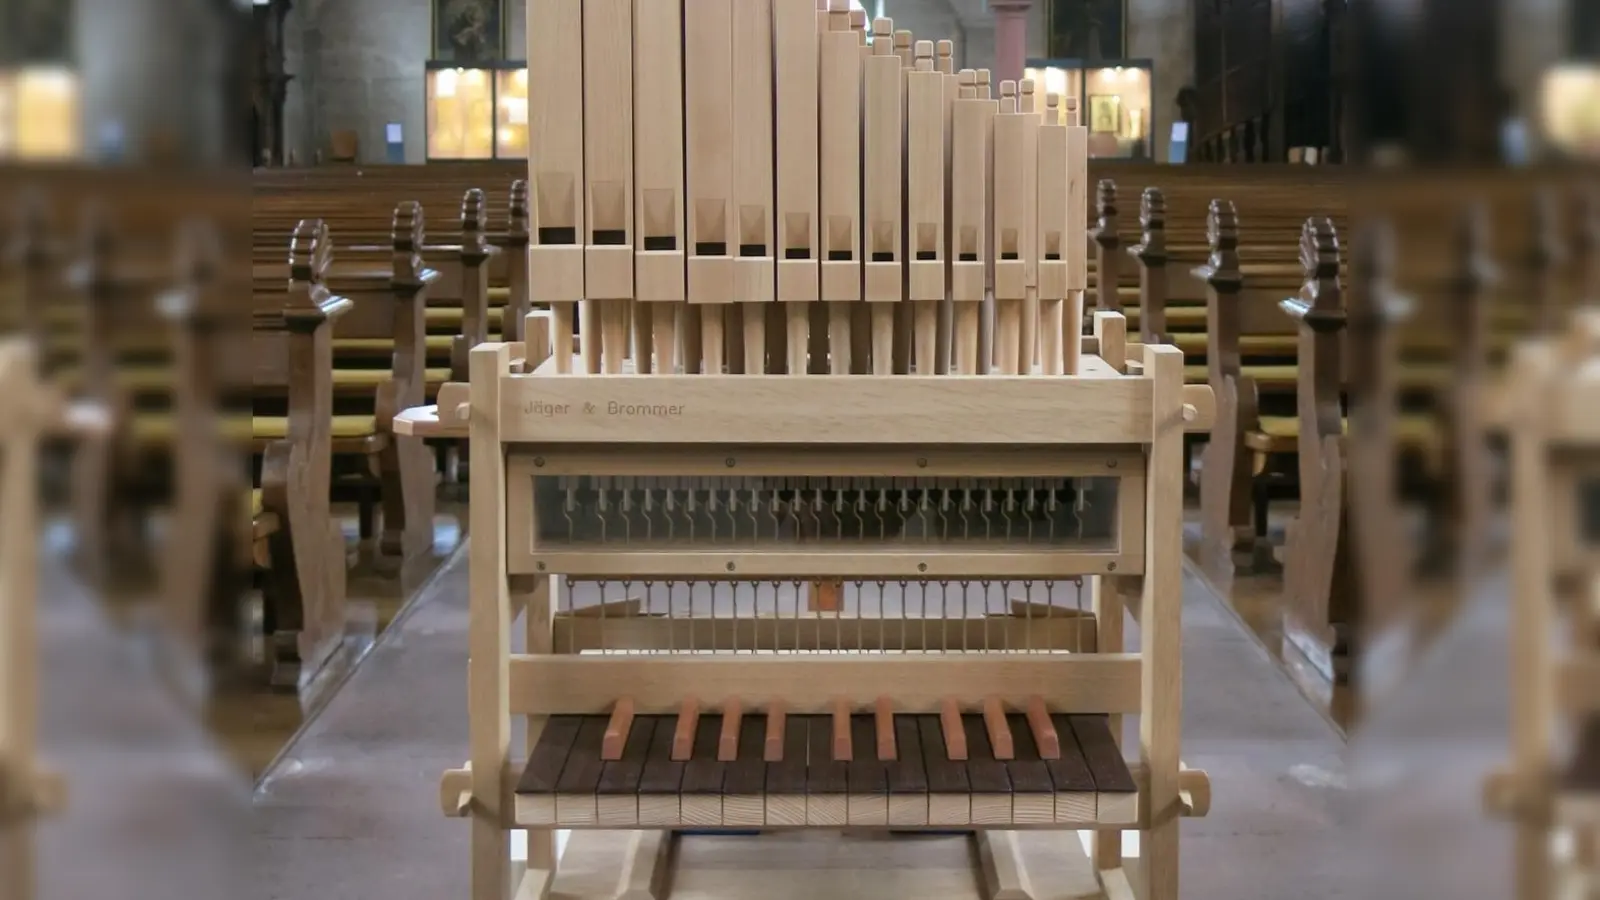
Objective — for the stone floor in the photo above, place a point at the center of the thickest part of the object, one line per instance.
(350, 809)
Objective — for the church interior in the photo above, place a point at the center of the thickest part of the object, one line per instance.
(732, 449)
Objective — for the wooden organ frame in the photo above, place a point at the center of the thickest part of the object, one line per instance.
(1101, 420)
(1553, 390)
(28, 792)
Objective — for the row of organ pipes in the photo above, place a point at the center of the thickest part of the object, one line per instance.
(898, 217)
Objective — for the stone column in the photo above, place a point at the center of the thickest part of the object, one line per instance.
(1010, 39)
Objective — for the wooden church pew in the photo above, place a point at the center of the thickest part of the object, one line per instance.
(291, 334)
(387, 291)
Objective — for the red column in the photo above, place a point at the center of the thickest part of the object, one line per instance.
(1010, 39)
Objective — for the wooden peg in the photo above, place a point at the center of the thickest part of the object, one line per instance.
(841, 731)
(728, 740)
(994, 719)
(955, 734)
(885, 727)
(617, 730)
(683, 737)
(1044, 730)
(773, 750)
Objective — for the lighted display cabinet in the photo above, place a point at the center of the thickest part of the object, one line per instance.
(478, 112)
(39, 114)
(1114, 102)
(1063, 77)
(1118, 110)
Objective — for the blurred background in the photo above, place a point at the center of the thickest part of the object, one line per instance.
(155, 152)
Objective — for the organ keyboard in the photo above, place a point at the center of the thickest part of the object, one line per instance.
(766, 768)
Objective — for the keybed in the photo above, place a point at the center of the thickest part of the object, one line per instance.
(720, 156)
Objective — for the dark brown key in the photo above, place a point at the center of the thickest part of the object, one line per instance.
(662, 774)
(945, 775)
(907, 773)
(824, 773)
(622, 776)
(1069, 772)
(866, 774)
(581, 774)
(747, 774)
(1029, 774)
(549, 755)
(788, 775)
(985, 774)
(1110, 770)
(702, 774)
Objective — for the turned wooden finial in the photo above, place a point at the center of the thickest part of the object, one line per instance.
(407, 233)
(1474, 268)
(1222, 234)
(310, 254)
(1105, 229)
(1546, 257)
(1319, 259)
(472, 218)
(519, 209)
(1152, 247)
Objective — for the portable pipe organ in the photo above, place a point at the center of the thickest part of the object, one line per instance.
(657, 526)
(1551, 787)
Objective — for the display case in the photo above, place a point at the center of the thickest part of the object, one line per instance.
(1570, 109)
(40, 114)
(1063, 77)
(511, 113)
(478, 112)
(1119, 111)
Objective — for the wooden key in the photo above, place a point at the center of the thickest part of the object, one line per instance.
(683, 737)
(775, 732)
(994, 718)
(728, 743)
(1044, 731)
(617, 730)
(955, 735)
(885, 726)
(841, 731)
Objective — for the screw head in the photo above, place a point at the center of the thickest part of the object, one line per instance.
(1111, 567)
(728, 462)
(922, 463)
(541, 567)
(730, 567)
(922, 567)
(538, 462)
(1111, 464)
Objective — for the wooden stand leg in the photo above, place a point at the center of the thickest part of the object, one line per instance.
(1107, 598)
(1005, 876)
(647, 872)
